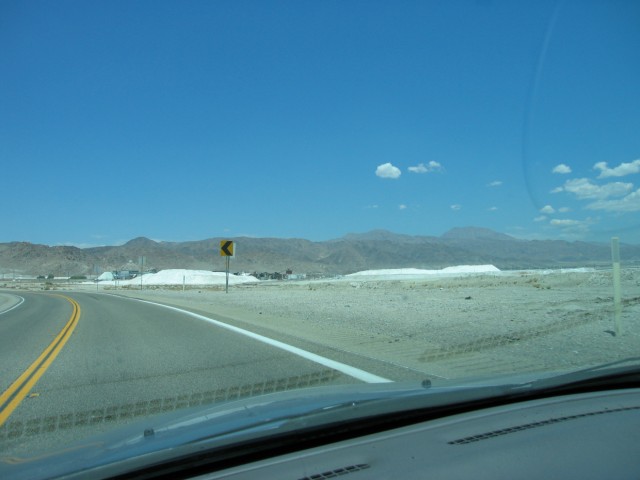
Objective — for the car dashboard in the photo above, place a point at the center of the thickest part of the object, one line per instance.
(589, 435)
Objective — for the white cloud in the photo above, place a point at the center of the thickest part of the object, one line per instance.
(572, 228)
(564, 209)
(541, 218)
(495, 183)
(565, 223)
(493, 209)
(386, 170)
(557, 190)
(583, 188)
(612, 196)
(430, 167)
(562, 169)
(81, 244)
(547, 209)
(619, 171)
(371, 206)
(456, 207)
(628, 203)
(420, 168)
(402, 207)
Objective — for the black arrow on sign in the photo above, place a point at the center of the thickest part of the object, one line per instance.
(225, 248)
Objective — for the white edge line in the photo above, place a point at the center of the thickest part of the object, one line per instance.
(340, 367)
(15, 306)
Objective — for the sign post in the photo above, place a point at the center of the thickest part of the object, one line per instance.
(142, 260)
(226, 284)
(617, 295)
(227, 250)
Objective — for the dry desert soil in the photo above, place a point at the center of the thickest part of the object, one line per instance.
(451, 327)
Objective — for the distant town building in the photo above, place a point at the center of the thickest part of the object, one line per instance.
(296, 276)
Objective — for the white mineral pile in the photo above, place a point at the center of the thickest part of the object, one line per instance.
(397, 273)
(188, 277)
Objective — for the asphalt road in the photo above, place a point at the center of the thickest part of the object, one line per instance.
(128, 360)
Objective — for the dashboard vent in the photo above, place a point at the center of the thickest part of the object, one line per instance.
(337, 472)
(527, 426)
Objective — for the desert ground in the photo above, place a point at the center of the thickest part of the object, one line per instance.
(442, 327)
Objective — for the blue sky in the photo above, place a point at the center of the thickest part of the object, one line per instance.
(312, 119)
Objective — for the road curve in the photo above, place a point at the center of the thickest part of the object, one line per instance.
(9, 302)
(26, 329)
(128, 359)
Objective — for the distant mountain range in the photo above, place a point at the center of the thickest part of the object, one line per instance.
(354, 252)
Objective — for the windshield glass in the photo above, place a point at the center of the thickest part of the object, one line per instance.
(212, 201)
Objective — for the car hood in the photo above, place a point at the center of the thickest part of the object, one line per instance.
(185, 432)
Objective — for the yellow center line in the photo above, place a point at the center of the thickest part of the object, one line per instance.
(19, 389)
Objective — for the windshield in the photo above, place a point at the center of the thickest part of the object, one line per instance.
(211, 201)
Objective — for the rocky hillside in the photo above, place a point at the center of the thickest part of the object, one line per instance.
(353, 252)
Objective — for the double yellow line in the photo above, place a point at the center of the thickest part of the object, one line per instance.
(19, 389)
